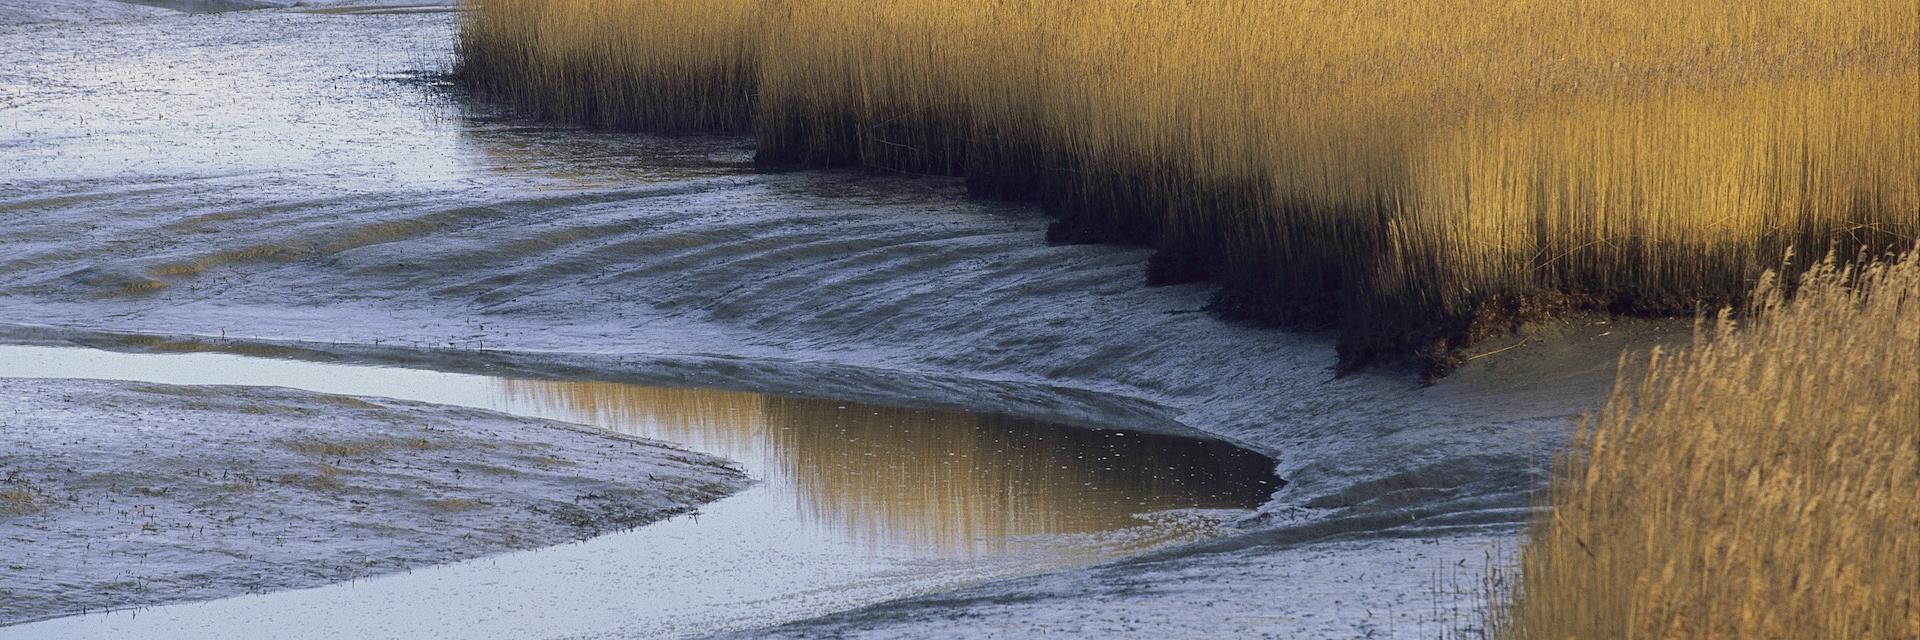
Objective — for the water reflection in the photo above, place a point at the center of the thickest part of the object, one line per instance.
(936, 480)
(856, 505)
(561, 157)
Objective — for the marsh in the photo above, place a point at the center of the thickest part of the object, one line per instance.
(298, 188)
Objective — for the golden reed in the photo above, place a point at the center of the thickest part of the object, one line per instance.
(1417, 172)
(1763, 484)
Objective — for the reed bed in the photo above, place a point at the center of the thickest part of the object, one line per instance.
(1418, 174)
(682, 66)
(1763, 484)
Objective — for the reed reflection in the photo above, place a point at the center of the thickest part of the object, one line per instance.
(576, 158)
(954, 482)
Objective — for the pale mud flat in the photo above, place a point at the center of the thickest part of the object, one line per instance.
(22, 12)
(38, 11)
(349, 211)
(1423, 587)
(116, 494)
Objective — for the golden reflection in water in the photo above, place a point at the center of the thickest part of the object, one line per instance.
(957, 482)
(584, 159)
(726, 423)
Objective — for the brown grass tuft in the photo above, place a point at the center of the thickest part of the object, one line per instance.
(357, 448)
(455, 505)
(327, 480)
(18, 501)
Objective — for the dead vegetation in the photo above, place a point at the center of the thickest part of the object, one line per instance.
(364, 448)
(456, 505)
(16, 501)
(325, 479)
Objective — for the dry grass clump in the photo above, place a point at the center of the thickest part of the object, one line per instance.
(1403, 167)
(327, 480)
(1763, 484)
(18, 501)
(455, 505)
(320, 448)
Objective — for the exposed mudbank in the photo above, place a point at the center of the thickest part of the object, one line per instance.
(1418, 587)
(21, 12)
(206, 6)
(134, 495)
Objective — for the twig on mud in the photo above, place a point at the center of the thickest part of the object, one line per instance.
(1521, 343)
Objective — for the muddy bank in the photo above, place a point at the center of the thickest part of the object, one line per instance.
(1424, 587)
(23, 12)
(118, 495)
(16, 12)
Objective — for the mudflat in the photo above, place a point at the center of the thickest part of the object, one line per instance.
(118, 494)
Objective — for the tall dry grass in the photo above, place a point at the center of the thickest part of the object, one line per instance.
(664, 66)
(1405, 168)
(1763, 484)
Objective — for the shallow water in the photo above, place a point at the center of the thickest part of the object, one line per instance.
(855, 504)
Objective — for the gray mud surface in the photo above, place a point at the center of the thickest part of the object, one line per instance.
(349, 212)
(23, 12)
(117, 495)
(1423, 587)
